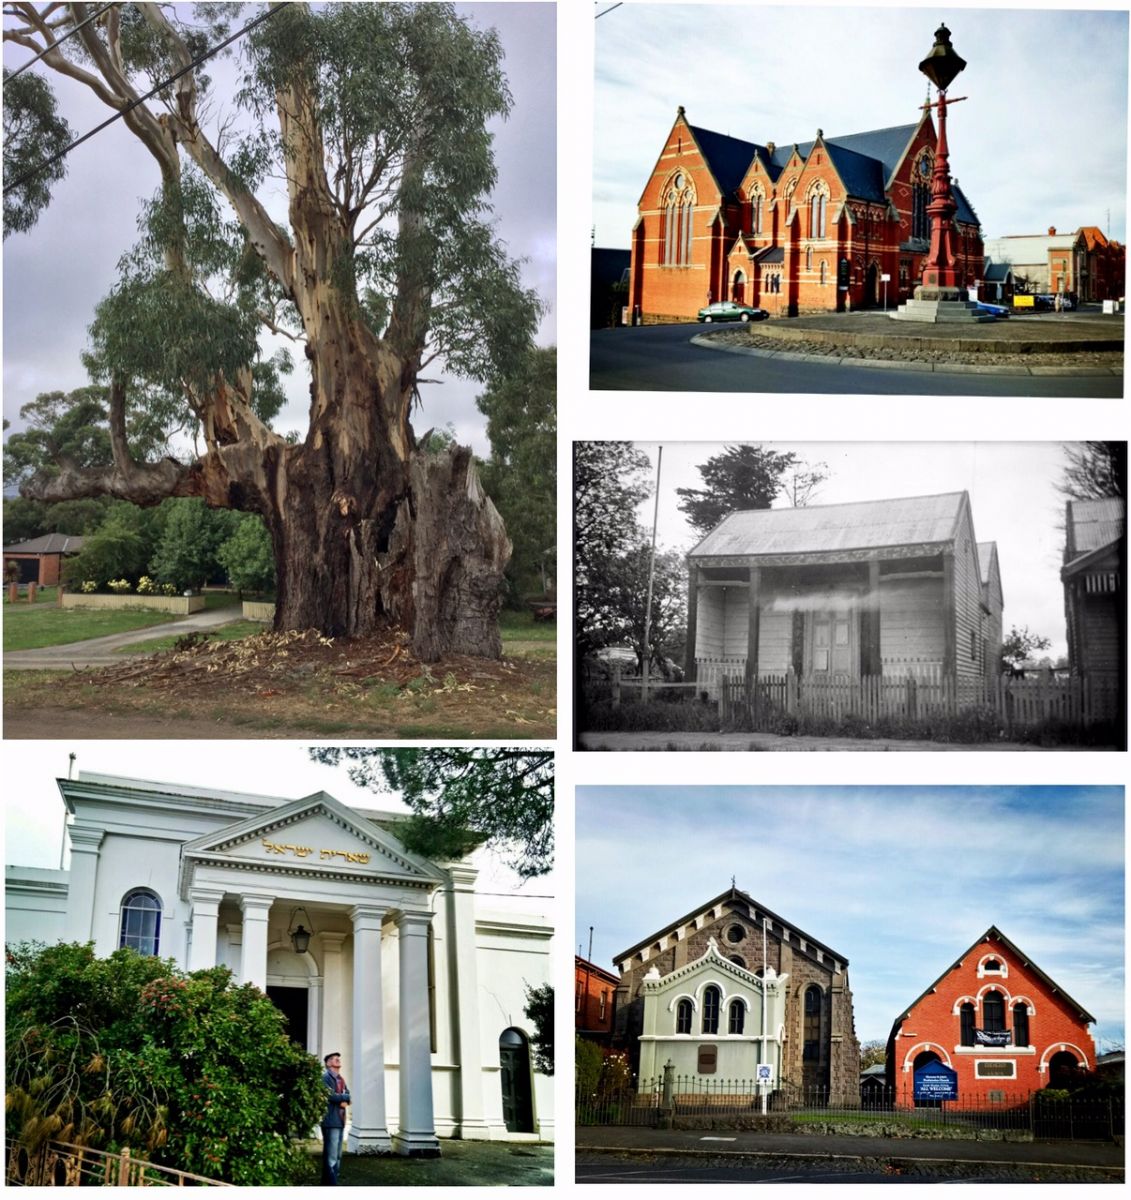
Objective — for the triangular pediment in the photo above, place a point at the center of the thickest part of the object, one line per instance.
(314, 835)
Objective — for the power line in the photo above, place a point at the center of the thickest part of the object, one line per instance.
(142, 99)
(609, 9)
(57, 42)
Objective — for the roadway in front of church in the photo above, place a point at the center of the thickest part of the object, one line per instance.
(662, 358)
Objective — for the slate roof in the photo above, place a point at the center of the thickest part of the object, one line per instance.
(864, 161)
(995, 272)
(48, 543)
(861, 525)
(1094, 524)
(727, 157)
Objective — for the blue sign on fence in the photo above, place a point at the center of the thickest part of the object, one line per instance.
(934, 1081)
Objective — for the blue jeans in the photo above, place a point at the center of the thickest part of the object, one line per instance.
(331, 1154)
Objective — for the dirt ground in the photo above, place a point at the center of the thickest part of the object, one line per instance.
(290, 685)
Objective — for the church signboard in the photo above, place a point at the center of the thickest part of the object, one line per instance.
(934, 1081)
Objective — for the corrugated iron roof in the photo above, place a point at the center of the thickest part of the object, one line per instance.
(1095, 523)
(861, 525)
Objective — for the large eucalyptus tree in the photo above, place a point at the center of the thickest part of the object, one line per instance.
(373, 118)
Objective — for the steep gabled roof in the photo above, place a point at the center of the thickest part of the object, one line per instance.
(993, 934)
(732, 894)
(727, 157)
(861, 525)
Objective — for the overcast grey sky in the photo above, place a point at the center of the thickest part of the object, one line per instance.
(900, 880)
(1012, 497)
(1041, 140)
(33, 808)
(55, 274)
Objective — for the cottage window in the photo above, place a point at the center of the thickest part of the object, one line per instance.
(140, 922)
(683, 1017)
(812, 1042)
(1020, 1025)
(711, 1010)
(966, 1021)
(993, 1012)
(737, 1017)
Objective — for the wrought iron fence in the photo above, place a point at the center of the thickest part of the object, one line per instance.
(658, 1102)
(61, 1164)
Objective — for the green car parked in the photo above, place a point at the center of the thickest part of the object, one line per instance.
(728, 310)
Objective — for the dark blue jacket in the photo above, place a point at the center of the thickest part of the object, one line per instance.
(335, 1117)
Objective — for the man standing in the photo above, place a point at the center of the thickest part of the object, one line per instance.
(334, 1122)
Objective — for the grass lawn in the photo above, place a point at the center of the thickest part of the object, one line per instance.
(461, 1164)
(31, 627)
(222, 633)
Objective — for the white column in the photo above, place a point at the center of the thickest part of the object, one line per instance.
(253, 956)
(368, 1132)
(465, 997)
(314, 1017)
(86, 845)
(417, 1132)
(235, 947)
(334, 1022)
(205, 906)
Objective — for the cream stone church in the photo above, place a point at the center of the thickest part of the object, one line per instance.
(398, 962)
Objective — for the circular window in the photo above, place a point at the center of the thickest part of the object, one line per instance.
(735, 934)
(677, 181)
(738, 961)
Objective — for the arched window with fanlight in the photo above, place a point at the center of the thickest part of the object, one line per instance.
(140, 925)
(737, 1021)
(683, 1016)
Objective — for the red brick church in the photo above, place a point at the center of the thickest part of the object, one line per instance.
(792, 228)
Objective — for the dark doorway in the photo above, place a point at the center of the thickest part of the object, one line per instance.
(514, 1064)
(291, 1002)
(872, 286)
(1064, 1069)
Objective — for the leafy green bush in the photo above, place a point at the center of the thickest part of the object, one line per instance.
(587, 1059)
(247, 556)
(188, 1070)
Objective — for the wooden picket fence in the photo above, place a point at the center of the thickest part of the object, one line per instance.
(924, 694)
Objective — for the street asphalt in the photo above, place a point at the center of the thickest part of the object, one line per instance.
(599, 1149)
(663, 358)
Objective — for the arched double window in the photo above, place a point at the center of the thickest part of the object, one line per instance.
(711, 998)
(756, 212)
(140, 926)
(683, 1017)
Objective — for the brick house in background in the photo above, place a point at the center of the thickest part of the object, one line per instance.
(996, 1019)
(1094, 597)
(817, 1036)
(594, 1000)
(789, 227)
(41, 559)
(1083, 262)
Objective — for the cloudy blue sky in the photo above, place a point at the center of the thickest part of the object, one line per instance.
(900, 880)
(1041, 140)
(1012, 497)
(55, 274)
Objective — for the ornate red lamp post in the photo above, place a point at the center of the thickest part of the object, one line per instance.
(940, 296)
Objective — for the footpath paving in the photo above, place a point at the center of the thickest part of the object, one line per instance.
(1102, 1157)
(101, 651)
(779, 742)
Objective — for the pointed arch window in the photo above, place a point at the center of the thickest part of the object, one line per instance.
(711, 999)
(811, 1050)
(756, 213)
(140, 927)
(683, 1017)
(679, 208)
(817, 216)
(809, 258)
(824, 273)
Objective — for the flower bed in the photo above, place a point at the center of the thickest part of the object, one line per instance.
(176, 605)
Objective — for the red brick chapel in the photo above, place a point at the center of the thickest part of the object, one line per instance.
(792, 228)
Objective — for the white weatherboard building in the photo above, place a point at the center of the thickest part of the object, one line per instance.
(406, 972)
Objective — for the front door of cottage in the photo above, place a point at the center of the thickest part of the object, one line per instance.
(831, 648)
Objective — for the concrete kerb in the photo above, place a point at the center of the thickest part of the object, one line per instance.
(707, 343)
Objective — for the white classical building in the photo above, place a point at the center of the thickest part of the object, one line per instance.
(407, 971)
(712, 1017)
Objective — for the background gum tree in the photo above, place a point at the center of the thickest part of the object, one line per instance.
(375, 117)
